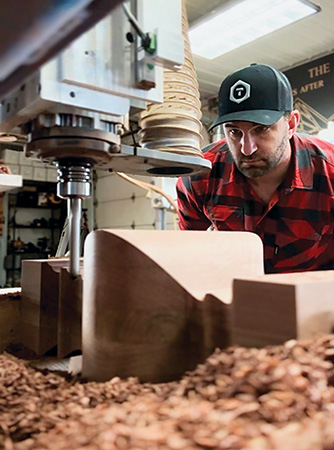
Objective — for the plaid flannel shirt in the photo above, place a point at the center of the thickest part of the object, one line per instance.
(296, 227)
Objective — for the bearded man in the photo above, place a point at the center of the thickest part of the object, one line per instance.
(265, 177)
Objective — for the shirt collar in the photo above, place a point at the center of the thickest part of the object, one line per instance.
(302, 174)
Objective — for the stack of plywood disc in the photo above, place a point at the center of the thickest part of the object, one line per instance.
(174, 125)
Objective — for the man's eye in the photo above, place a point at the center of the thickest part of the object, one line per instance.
(262, 129)
(234, 132)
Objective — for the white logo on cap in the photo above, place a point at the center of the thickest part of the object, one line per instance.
(240, 91)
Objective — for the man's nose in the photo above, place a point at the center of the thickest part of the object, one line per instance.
(248, 145)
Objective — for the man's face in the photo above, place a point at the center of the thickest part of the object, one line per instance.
(257, 149)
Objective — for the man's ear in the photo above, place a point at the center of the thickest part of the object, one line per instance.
(293, 122)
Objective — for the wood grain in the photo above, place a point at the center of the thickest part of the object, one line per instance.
(70, 314)
(271, 309)
(40, 303)
(155, 303)
(10, 313)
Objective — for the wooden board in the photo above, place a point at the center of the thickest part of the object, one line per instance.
(10, 311)
(155, 303)
(272, 309)
(40, 303)
(70, 314)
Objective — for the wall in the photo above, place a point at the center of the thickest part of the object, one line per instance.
(121, 204)
(32, 170)
(118, 203)
(313, 93)
(29, 168)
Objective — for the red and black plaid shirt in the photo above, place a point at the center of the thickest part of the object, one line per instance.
(296, 227)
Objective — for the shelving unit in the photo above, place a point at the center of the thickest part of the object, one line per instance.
(35, 220)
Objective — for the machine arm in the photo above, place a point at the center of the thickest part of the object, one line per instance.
(21, 53)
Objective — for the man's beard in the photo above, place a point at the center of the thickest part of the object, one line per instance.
(265, 165)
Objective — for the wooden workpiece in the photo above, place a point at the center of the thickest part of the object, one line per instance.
(40, 304)
(10, 312)
(155, 303)
(69, 314)
(271, 309)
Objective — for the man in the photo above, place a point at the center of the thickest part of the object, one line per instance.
(265, 178)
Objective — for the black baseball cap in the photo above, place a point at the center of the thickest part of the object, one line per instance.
(256, 93)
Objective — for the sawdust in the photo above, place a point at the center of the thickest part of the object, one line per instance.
(275, 398)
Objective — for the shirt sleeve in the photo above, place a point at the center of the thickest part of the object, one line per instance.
(191, 215)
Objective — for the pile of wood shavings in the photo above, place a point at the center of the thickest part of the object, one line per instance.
(276, 398)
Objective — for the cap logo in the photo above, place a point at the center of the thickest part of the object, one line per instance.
(240, 91)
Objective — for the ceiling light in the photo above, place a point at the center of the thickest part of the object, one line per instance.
(228, 29)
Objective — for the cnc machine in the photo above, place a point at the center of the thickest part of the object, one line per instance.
(75, 108)
(152, 304)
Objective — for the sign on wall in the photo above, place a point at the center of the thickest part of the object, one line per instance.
(313, 93)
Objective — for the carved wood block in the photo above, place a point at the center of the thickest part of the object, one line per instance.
(10, 312)
(70, 314)
(271, 309)
(156, 303)
(40, 303)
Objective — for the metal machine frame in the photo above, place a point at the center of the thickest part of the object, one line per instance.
(75, 109)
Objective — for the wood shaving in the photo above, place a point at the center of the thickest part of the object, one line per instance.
(275, 398)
